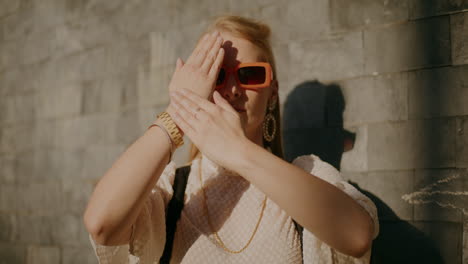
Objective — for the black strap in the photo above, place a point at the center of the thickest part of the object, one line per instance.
(174, 209)
(300, 230)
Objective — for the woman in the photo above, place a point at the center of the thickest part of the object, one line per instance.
(241, 196)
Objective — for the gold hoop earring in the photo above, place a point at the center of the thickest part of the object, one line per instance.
(269, 117)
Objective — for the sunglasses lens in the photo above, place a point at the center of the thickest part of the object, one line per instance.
(221, 77)
(252, 75)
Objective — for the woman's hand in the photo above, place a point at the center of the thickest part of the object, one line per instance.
(216, 129)
(201, 69)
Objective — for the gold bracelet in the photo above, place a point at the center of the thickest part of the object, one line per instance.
(170, 140)
(171, 127)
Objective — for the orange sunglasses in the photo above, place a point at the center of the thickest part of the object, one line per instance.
(252, 75)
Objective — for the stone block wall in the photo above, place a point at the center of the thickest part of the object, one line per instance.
(81, 80)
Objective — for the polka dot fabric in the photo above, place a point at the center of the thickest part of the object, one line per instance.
(234, 207)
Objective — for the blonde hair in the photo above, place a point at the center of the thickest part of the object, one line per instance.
(258, 34)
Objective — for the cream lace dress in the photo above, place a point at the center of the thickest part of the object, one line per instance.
(234, 206)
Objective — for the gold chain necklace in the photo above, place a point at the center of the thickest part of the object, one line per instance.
(218, 238)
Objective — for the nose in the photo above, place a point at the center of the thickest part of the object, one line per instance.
(230, 91)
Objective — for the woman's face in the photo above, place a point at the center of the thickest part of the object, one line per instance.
(254, 102)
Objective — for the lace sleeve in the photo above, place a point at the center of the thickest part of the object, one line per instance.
(149, 230)
(313, 164)
(314, 250)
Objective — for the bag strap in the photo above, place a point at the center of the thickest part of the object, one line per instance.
(174, 209)
(300, 230)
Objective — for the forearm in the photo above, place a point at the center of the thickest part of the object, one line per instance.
(320, 207)
(120, 194)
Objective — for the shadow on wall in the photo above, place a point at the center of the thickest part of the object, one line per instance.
(313, 124)
(398, 241)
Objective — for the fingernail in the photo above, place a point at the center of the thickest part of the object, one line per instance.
(215, 32)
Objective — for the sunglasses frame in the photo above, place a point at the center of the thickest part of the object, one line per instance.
(268, 75)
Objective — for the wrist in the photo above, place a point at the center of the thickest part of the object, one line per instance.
(243, 159)
(170, 110)
(162, 132)
(164, 120)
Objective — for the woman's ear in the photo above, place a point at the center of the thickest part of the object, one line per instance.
(274, 90)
